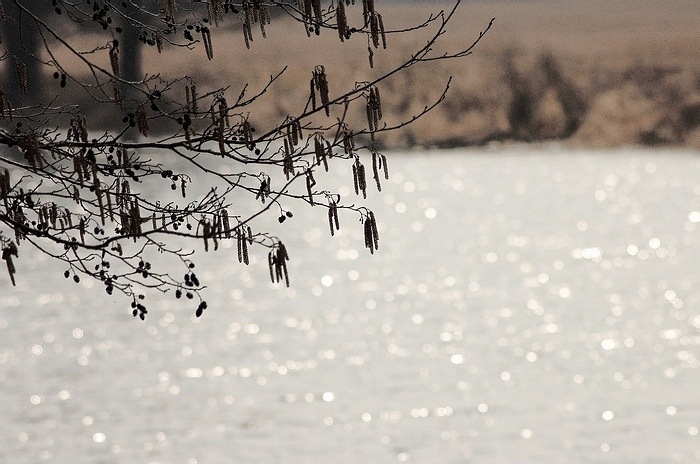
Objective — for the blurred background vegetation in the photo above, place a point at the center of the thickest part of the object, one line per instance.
(590, 73)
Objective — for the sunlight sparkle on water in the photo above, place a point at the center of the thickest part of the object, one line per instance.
(515, 301)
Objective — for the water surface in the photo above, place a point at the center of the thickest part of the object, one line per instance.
(526, 305)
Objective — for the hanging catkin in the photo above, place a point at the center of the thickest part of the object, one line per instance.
(310, 183)
(226, 224)
(319, 82)
(100, 204)
(8, 252)
(277, 262)
(114, 57)
(142, 121)
(242, 245)
(371, 233)
(333, 221)
(206, 38)
(341, 20)
(205, 234)
(359, 178)
(5, 187)
(21, 70)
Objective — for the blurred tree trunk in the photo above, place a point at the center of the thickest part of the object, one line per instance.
(130, 54)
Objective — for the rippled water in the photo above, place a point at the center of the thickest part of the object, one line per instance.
(525, 306)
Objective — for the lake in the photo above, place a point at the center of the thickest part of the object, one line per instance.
(526, 305)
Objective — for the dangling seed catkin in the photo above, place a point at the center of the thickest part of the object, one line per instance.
(21, 70)
(114, 57)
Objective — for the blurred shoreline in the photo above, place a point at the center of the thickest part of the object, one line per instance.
(589, 74)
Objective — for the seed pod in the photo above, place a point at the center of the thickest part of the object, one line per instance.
(376, 104)
(367, 10)
(205, 235)
(310, 183)
(193, 91)
(341, 20)
(288, 163)
(247, 27)
(210, 231)
(263, 191)
(226, 224)
(359, 178)
(8, 251)
(21, 70)
(245, 251)
(297, 128)
(218, 227)
(307, 16)
(247, 131)
(118, 97)
(264, 19)
(313, 93)
(271, 265)
(381, 30)
(159, 42)
(206, 39)
(82, 127)
(370, 232)
(277, 262)
(348, 143)
(135, 219)
(376, 161)
(81, 228)
(98, 194)
(109, 206)
(320, 151)
(5, 187)
(374, 29)
(375, 231)
(321, 83)
(114, 57)
(355, 182)
(336, 222)
(292, 135)
(368, 235)
(318, 16)
(142, 121)
(362, 179)
(333, 222)
(168, 7)
(53, 214)
(242, 245)
(223, 111)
